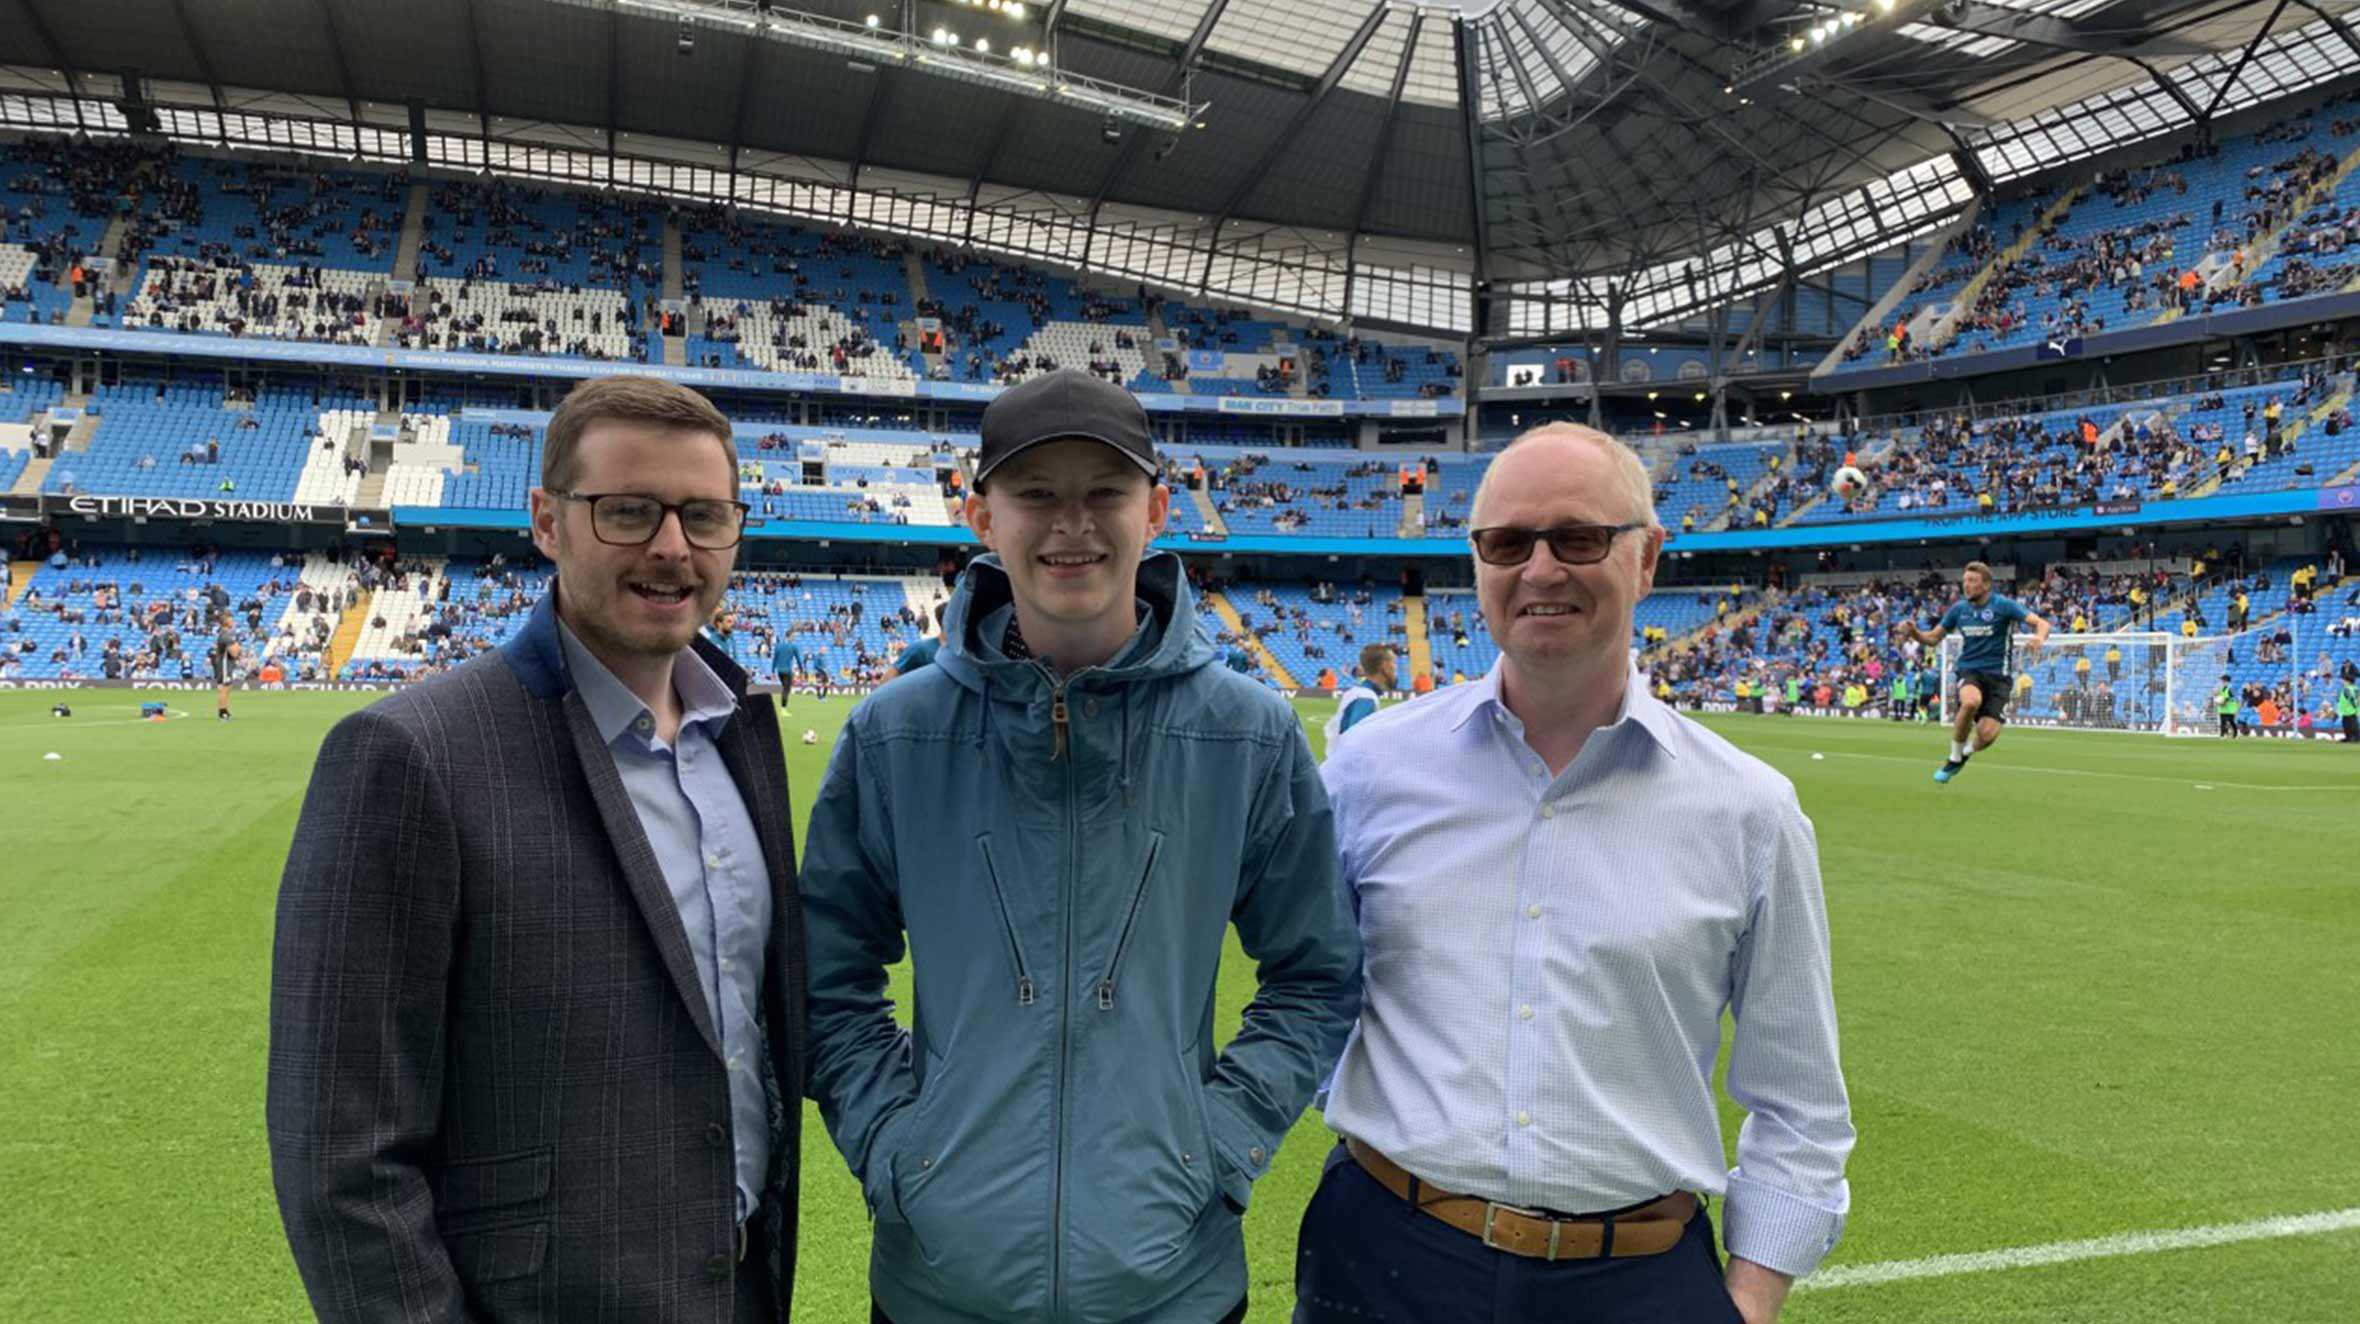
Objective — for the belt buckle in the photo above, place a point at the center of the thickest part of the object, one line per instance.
(1491, 1213)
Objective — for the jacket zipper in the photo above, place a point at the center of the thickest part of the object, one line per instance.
(1065, 884)
(1114, 967)
(1024, 983)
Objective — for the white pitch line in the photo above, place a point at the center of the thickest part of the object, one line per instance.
(2097, 1248)
(77, 723)
(2120, 776)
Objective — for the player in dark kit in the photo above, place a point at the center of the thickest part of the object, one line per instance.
(1986, 621)
(225, 670)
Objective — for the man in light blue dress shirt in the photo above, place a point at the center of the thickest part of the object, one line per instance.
(704, 843)
(1562, 885)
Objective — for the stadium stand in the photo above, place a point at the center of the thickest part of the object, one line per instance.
(56, 201)
(1320, 627)
(2260, 218)
(182, 440)
(125, 613)
(784, 299)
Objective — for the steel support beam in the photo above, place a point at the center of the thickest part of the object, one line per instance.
(50, 47)
(614, 78)
(481, 87)
(2260, 35)
(2336, 25)
(745, 100)
(879, 85)
(1991, 20)
(1334, 74)
(196, 50)
(1181, 69)
(1673, 14)
(1376, 160)
(352, 100)
(1471, 117)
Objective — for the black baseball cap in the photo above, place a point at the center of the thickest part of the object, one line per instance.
(1066, 405)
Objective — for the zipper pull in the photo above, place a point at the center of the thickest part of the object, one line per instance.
(1057, 725)
(1106, 995)
(1024, 990)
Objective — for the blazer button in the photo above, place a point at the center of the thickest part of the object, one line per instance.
(717, 1133)
(718, 1268)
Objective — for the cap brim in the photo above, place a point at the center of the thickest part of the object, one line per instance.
(1151, 470)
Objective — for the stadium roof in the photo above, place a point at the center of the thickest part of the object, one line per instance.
(1661, 154)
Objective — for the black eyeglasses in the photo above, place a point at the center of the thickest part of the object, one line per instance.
(1572, 544)
(629, 519)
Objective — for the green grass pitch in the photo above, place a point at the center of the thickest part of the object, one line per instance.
(2100, 984)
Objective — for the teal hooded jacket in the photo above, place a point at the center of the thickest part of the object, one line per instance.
(1054, 1139)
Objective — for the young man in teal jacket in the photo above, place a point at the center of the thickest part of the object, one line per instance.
(1064, 815)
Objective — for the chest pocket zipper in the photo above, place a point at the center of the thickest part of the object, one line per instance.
(1114, 966)
(1025, 992)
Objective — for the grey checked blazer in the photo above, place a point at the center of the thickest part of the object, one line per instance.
(495, 1086)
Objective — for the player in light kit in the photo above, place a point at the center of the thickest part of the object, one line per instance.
(1987, 622)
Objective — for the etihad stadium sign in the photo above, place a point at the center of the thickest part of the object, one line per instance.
(141, 507)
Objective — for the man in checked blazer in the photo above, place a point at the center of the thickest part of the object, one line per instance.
(537, 1018)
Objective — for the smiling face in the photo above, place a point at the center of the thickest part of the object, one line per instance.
(1070, 520)
(637, 604)
(1548, 616)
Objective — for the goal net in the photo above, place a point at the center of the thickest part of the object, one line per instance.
(2265, 658)
(2085, 682)
(2137, 682)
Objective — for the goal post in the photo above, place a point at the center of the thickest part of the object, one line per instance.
(2128, 684)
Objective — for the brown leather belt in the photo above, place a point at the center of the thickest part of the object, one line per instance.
(1649, 1229)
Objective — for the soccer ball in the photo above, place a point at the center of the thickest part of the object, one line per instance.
(810, 737)
(1849, 482)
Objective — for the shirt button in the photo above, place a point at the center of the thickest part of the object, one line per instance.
(1534, 911)
(1090, 709)
(1523, 1119)
(728, 964)
(643, 725)
(736, 1062)
(1524, 1013)
(1548, 811)
(716, 1134)
(1255, 1155)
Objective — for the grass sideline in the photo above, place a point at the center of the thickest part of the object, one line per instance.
(2094, 986)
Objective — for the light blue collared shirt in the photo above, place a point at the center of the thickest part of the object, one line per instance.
(704, 841)
(1549, 958)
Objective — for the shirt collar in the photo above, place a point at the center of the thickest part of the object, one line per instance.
(614, 709)
(1638, 708)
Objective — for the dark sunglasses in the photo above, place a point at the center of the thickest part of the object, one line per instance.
(1571, 544)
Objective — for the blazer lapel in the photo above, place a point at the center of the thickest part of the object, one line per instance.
(640, 869)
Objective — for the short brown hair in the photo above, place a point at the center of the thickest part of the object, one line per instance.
(1373, 656)
(629, 399)
(1979, 568)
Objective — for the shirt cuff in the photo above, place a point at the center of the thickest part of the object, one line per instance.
(1778, 1230)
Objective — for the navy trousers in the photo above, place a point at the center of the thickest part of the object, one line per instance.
(1366, 1257)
